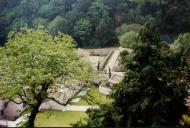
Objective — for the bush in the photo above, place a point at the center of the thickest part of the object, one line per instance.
(59, 23)
(128, 40)
(39, 22)
(131, 27)
(185, 120)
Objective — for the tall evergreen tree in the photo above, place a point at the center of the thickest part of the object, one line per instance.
(152, 93)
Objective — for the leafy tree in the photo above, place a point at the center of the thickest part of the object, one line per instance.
(172, 15)
(105, 32)
(128, 40)
(83, 30)
(33, 63)
(42, 11)
(39, 22)
(82, 5)
(29, 9)
(58, 24)
(130, 27)
(182, 41)
(17, 24)
(153, 90)
(63, 5)
(116, 9)
(96, 11)
(181, 47)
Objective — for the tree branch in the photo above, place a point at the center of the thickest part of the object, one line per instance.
(15, 102)
(69, 100)
(63, 73)
(53, 99)
(24, 101)
(7, 102)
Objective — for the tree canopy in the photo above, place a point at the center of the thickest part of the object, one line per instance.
(128, 40)
(64, 16)
(33, 63)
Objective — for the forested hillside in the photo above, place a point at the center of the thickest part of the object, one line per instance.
(94, 63)
(94, 23)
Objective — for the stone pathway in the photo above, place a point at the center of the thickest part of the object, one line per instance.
(114, 57)
(119, 73)
(79, 108)
(13, 123)
(55, 106)
(112, 60)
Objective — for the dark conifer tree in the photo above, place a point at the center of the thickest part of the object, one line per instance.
(152, 92)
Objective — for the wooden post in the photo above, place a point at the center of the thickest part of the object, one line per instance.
(98, 67)
(109, 72)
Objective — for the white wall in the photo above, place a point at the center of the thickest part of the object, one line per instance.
(104, 90)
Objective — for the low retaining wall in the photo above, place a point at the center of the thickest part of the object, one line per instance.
(117, 69)
(105, 61)
(104, 90)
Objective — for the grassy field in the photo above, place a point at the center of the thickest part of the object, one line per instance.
(95, 96)
(52, 118)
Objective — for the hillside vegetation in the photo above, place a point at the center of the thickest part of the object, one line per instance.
(92, 23)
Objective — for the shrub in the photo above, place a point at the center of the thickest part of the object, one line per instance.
(128, 40)
(131, 27)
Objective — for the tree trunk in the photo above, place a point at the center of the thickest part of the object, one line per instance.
(33, 114)
(40, 97)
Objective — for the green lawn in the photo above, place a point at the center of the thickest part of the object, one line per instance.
(81, 102)
(96, 96)
(53, 118)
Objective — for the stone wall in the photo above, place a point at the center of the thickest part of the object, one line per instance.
(105, 61)
(12, 112)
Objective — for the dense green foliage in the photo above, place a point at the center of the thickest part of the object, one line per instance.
(33, 63)
(181, 47)
(92, 22)
(128, 40)
(153, 90)
(182, 42)
(127, 28)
